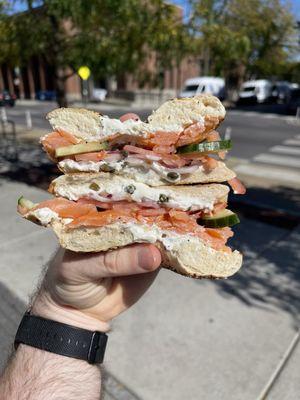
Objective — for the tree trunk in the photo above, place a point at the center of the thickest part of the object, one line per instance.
(234, 78)
(60, 89)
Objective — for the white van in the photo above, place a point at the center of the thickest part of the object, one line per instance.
(204, 84)
(258, 91)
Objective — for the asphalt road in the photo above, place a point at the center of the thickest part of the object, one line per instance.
(252, 133)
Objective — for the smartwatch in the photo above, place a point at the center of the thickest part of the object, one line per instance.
(62, 339)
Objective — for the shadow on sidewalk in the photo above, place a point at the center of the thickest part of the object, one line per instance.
(270, 276)
(32, 167)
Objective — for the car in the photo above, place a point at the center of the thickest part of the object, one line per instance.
(293, 104)
(256, 91)
(204, 84)
(7, 99)
(281, 92)
(98, 95)
(45, 95)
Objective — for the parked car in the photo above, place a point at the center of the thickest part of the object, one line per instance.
(204, 84)
(45, 95)
(98, 94)
(259, 91)
(294, 101)
(281, 92)
(7, 99)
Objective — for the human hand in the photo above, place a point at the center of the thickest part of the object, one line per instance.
(89, 289)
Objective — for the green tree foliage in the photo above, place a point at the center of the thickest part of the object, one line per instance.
(112, 37)
(239, 38)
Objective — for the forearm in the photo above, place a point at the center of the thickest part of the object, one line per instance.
(40, 375)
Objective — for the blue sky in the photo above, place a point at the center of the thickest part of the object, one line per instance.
(294, 3)
(184, 4)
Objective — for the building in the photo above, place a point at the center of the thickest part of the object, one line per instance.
(37, 76)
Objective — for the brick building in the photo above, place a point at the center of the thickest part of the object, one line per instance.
(37, 76)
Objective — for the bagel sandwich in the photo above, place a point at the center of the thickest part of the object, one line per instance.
(102, 211)
(177, 145)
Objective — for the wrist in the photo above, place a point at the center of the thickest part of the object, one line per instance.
(45, 307)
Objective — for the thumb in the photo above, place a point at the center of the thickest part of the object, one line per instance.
(130, 260)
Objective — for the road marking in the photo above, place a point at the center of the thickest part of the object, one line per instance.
(263, 171)
(280, 160)
(285, 150)
(293, 142)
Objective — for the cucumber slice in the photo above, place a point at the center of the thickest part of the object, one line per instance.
(25, 203)
(80, 148)
(206, 147)
(220, 220)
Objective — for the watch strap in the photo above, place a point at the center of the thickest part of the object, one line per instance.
(61, 339)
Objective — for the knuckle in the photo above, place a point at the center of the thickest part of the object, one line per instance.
(111, 261)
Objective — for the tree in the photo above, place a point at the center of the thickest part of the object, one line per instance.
(112, 37)
(240, 37)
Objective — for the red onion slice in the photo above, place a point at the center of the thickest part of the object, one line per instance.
(134, 161)
(185, 170)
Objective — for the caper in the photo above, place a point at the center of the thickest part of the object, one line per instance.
(124, 153)
(94, 186)
(173, 175)
(130, 189)
(163, 198)
(106, 168)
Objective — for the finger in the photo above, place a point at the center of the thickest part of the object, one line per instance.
(127, 116)
(130, 260)
(123, 293)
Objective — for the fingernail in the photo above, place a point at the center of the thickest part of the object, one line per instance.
(146, 258)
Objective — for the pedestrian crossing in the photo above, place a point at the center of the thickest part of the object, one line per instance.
(280, 162)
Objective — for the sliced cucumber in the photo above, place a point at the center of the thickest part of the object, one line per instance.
(220, 220)
(25, 203)
(80, 148)
(206, 147)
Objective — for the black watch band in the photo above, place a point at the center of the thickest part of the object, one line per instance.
(62, 339)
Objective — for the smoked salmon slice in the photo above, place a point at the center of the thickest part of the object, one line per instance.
(67, 208)
(85, 212)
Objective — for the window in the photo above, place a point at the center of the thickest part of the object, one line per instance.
(191, 88)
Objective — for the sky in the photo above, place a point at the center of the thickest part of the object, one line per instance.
(294, 3)
(184, 4)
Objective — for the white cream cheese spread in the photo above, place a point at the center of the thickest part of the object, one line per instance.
(130, 127)
(149, 173)
(44, 215)
(119, 188)
(140, 232)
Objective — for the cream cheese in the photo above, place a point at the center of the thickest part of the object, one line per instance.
(140, 232)
(44, 215)
(111, 126)
(149, 173)
(153, 234)
(117, 188)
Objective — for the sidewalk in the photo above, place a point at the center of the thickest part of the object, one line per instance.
(186, 339)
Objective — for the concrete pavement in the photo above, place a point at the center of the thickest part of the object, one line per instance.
(185, 339)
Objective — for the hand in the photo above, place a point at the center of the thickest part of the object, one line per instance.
(89, 289)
